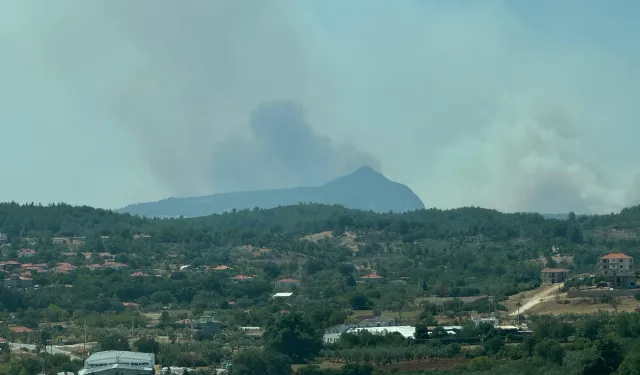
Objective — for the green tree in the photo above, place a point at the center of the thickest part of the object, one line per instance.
(112, 341)
(147, 345)
(260, 362)
(294, 336)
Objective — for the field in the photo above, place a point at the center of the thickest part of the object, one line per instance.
(428, 365)
(561, 305)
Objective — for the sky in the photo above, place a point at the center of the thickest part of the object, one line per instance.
(512, 105)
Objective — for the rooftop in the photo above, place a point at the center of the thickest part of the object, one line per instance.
(616, 256)
(111, 356)
(282, 295)
(554, 270)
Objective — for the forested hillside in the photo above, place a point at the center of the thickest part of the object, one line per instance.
(93, 265)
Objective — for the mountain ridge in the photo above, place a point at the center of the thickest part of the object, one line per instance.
(364, 189)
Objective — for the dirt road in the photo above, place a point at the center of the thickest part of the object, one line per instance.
(541, 296)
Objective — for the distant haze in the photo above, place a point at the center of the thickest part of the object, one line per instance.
(514, 105)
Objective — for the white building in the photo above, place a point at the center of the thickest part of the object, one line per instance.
(115, 362)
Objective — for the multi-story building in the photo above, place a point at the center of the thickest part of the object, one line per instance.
(115, 362)
(554, 275)
(618, 269)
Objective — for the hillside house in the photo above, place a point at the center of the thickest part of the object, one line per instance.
(618, 269)
(372, 278)
(241, 277)
(10, 265)
(553, 275)
(64, 268)
(287, 283)
(206, 326)
(3, 238)
(115, 265)
(17, 281)
(27, 253)
(221, 267)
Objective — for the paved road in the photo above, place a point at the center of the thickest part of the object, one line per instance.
(543, 295)
(50, 349)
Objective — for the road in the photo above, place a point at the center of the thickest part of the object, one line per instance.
(50, 349)
(541, 296)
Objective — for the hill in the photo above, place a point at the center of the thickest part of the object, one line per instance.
(364, 189)
(99, 272)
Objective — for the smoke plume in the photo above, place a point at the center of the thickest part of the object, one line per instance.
(468, 103)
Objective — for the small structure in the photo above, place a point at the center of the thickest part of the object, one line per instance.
(26, 253)
(554, 275)
(241, 277)
(618, 269)
(282, 295)
(287, 283)
(206, 326)
(372, 278)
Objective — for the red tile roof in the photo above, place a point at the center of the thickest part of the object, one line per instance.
(21, 329)
(372, 276)
(554, 270)
(616, 256)
(288, 281)
(241, 277)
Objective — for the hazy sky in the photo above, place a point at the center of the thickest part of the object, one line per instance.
(515, 105)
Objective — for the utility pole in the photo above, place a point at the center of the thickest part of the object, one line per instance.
(84, 344)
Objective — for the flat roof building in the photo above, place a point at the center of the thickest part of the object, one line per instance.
(118, 357)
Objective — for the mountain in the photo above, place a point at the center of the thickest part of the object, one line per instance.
(364, 189)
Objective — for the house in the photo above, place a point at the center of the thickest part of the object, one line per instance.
(618, 269)
(27, 253)
(17, 281)
(287, 283)
(221, 267)
(64, 268)
(21, 329)
(115, 265)
(372, 277)
(3, 238)
(553, 275)
(139, 274)
(206, 326)
(10, 265)
(241, 277)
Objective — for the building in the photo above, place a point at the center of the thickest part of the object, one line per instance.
(553, 275)
(282, 295)
(206, 326)
(372, 278)
(10, 265)
(287, 283)
(26, 253)
(17, 281)
(3, 238)
(115, 362)
(617, 269)
(241, 277)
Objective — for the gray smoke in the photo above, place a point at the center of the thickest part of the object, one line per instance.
(469, 103)
(283, 151)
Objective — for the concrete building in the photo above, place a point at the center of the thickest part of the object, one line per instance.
(115, 362)
(206, 326)
(618, 269)
(553, 275)
(17, 281)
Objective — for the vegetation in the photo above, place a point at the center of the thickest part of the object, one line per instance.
(132, 282)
